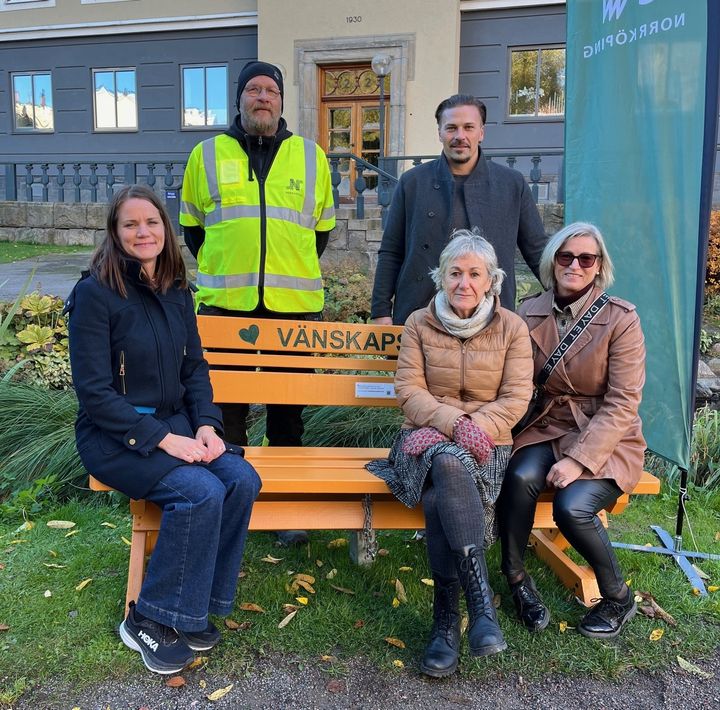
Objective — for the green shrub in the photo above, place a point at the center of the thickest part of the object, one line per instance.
(712, 277)
(34, 344)
(347, 296)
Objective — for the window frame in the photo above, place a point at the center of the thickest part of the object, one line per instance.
(116, 128)
(204, 67)
(9, 5)
(519, 118)
(31, 129)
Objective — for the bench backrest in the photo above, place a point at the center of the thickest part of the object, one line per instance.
(340, 363)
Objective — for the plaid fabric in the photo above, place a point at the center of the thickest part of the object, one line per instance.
(405, 475)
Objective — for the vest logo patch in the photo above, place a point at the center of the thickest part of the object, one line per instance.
(294, 185)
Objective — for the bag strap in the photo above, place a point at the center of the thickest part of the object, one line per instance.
(570, 337)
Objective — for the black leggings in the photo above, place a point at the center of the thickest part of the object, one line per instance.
(454, 515)
(575, 511)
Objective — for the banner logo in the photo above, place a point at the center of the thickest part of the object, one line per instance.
(612, 9)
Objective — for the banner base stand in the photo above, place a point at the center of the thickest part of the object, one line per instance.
(672, 546)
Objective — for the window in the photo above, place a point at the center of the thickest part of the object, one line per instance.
(25, 4)
(33, 101)
(537, 82)
(115, 100)
(204, 96)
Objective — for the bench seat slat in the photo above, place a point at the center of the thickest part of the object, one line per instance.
(255, 360)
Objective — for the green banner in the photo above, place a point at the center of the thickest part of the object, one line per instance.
(635, 131)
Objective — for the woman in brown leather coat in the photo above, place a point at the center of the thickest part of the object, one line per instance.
(585, 437)
(464, 378)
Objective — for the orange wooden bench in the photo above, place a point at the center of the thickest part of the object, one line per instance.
(314, 488)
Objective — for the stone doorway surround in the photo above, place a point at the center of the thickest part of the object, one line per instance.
(310, 54)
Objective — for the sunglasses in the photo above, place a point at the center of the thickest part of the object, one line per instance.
(565, 258)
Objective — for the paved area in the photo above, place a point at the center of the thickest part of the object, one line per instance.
(54, 274)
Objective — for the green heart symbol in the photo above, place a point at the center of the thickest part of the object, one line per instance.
(249, 335)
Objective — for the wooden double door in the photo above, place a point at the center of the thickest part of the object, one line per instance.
(350, 121)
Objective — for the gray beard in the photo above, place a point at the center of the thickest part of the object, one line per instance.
(258, 128)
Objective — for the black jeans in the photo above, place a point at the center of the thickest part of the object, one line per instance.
(575, 511)
(283, 425)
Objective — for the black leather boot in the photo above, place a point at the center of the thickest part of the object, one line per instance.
(441, 654)
(529, 605)
(484, 634)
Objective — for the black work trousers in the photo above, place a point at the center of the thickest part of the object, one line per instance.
(575, 510)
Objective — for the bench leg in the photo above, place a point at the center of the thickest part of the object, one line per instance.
(360, 549)
(578, 578)
(136, 567)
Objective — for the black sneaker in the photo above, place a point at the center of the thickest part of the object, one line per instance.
(606, 619)
(161, 649)
(200, 640)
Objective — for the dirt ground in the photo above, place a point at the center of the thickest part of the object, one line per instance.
(280, 682)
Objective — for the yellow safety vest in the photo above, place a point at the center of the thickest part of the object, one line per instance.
(258, 237)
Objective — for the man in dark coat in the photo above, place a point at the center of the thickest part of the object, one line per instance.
(459, 190)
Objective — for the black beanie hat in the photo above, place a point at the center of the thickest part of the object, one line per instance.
(253, 69)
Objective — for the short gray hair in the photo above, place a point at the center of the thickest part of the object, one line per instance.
(463, 242)
(605, 277)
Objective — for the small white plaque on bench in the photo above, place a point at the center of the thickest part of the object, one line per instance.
(374, 390)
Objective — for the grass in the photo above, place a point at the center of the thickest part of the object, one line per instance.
(71, 634)
(15, 251)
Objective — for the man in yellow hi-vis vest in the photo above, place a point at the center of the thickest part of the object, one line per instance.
(257, 209)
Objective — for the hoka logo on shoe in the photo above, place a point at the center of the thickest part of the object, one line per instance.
(148, 640)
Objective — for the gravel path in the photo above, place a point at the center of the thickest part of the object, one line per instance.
(276, 682)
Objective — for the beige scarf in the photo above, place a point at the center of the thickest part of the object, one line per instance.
(464, 328)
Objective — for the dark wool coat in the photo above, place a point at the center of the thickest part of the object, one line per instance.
(589, 409)
(139, 351)
(498, 201)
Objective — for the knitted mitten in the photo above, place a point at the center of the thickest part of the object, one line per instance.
(422, 439)
(471, 437)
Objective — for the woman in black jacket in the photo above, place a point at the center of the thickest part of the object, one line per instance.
(148, 427)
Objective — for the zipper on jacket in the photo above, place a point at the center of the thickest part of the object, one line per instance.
(122, 371)
(462, 372)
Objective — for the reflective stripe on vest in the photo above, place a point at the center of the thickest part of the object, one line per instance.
(271, 280)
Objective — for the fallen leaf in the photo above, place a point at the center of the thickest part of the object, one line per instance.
(319, 563)
(563, 625)
(628, 582)
(656, 634)
(232, 624)
(2, 566)
(331, 574)
(344, 590)
(52, 553)
(692, 668)
(113, 526)
(72, 532)
(47, 594)
(647, 610)
(175, 682)
(287, 619)
(359, 624)
(335, 686)
(307, 587)
(52, 565)
(60, 524)
(382, 552)
(245, 625)
(199, 661)
(405, 569)
(703, 575)
(4, 627)
(696, 591)
(428, 582)
(464, 622)
(497, 600)
(713, 588)
(398, 663)
(16, 542)
(272, 560)
(305, 578)
(328, 659)
(395, 602)
(394, 642)
(27, 525)
(83, 584)
(302, 600)
(338, 542)
(249, 606)
(242, 575)
(717, 537)
(126, 541)
(219, 693)
(400, 592)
